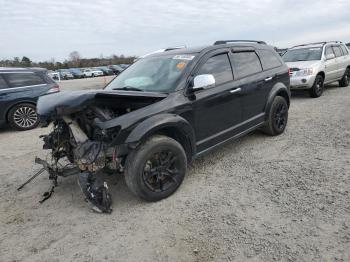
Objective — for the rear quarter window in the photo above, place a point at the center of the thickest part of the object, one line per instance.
(268, 59)
(23, 79)
(345, 51)
(337, 51)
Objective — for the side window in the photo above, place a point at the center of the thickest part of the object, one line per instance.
(329, 50)
(23, 79)
(268, 59)
(219, 66)
(337, 51)
(246, 63)
(3, 83)
(345, 51)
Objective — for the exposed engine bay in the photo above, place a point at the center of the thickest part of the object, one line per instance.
(83, 140)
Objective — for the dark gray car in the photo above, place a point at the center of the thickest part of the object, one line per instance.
(20, 89)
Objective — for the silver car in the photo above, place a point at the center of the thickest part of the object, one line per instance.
(313, 65)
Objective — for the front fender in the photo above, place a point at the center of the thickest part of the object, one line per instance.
(160, 122)
(279, 89)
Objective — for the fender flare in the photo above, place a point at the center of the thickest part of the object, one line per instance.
(161, 122)
(278, 89)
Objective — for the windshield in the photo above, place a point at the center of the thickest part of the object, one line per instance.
(155, 74)
(303, 54)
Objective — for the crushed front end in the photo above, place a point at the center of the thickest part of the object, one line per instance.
(83, 140)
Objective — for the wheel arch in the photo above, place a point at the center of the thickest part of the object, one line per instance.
(279, 89)
(322, 73)
(170, 125)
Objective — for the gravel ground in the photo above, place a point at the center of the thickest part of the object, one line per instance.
(259, 198)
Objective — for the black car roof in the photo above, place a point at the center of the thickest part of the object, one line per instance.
(194, 50)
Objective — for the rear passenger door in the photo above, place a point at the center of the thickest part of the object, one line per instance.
(247, 67)
(331, 67)
(343, 60)
(339, 61)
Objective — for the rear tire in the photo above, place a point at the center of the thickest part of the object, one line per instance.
(344, 82)
(156, 169)
(277, 118)
(317, 88)
(23, 117)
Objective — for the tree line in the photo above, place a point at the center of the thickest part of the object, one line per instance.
(74, 60)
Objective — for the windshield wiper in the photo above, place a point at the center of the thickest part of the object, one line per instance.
(128, 88)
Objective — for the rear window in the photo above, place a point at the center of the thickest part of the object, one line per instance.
(23, 79)
(345, 51)
(269, 59)
(246, 63)
(3, 83)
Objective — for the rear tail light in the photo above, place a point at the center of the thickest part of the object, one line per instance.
(289, 72)
(54, 89)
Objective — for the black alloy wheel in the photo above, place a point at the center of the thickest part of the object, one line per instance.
(161, 171)
(156, 168)
(281, 116)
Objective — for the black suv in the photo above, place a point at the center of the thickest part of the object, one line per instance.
(162, 112)
(19, 92)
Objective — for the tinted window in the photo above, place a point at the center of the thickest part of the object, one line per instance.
(23, 79)
(246, 63)
(269, 59)
(3, 83)
(345, 51)
(337, 51)
(329, 51)
(219, 66)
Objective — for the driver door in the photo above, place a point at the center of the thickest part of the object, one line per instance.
(217, 110)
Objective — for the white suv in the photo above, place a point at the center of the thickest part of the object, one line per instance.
(313, 65)
(88, 72)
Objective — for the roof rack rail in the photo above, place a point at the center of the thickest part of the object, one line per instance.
(174, 48)
(319, 43)
(222, 42)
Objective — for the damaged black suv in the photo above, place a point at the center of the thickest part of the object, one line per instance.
(162, 112)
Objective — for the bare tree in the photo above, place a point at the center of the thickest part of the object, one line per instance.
(74, 58)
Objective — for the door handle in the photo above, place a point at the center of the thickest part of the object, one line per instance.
(267, 79)
(237, 90)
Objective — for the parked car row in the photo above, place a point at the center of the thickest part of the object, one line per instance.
(76, 73)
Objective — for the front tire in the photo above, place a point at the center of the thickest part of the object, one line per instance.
(156, 168)
(317, 88)
(23, 117)
(277, 118)
(344, 82)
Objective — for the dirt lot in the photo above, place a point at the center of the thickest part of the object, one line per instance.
(260, 198)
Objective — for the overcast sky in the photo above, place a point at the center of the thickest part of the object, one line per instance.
(44, 29)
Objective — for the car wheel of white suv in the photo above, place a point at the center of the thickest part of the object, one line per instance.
(317, 88)
(344, 82)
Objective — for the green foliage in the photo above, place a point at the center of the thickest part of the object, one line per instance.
(75, 60)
